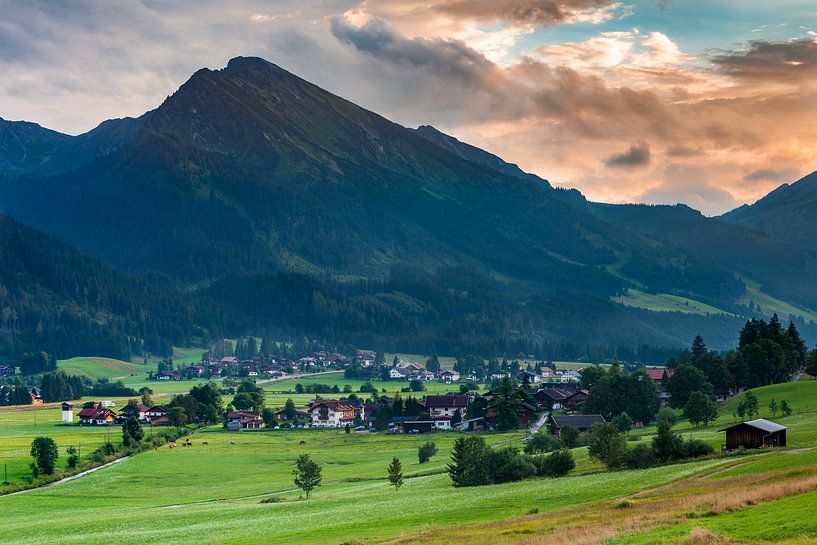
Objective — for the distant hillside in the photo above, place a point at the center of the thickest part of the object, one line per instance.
(787, 215)
(29, 148)
(55, 299)
(250, 174)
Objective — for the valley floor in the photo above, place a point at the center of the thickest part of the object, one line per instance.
(211, 493)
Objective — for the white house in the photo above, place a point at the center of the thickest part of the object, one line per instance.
(331, 413)
(446, 405)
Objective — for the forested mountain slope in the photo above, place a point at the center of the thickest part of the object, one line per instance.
(250, 174)
(787, 215)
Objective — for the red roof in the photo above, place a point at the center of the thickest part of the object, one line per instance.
(335, 405)
(96, 414)
(657, 373)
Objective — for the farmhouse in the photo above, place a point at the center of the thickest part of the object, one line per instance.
(195, 371)
(95, 415)
(157, 416)
(281, 416)
(448, 376)
(755, 434)
(166, 375)
(241, 420)
(659, 376)
(446, 405)
(583, 422)
(331, 413)
(6, 370)
(575, 399)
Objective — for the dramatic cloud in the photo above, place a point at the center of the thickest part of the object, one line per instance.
(535, 12)
(638, 155)
(782, 61)
(771, 175)
(561, 88)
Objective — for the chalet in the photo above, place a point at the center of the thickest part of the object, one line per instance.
(281, 416)
(659, 376)
(583, 422)
(547, 372)
(195, 371)
(570, 376)
(166, 375)
(139, 411)
(241, 420)
(96, 416)
(527, 413)
(217, 370)
(532, 377)
(36, 396)
(552, 398)
(6, 370)
(396, 373)
(448, 376)
(157, 416)
(575, 399)
(228, 360)
(755, 434)
(446, 405)
(330, 413)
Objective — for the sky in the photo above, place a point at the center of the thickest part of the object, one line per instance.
(711, 103)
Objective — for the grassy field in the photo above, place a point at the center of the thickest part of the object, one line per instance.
(770, 304)
(211, 493)
(19, 427)
(664, 302)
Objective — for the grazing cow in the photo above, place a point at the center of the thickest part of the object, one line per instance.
(302, 442)
(232, 442)
(204, 443)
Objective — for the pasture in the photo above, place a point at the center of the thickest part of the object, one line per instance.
(212, 493)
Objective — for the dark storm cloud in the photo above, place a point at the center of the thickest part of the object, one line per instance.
(638, 155)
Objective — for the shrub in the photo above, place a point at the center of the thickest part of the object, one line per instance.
(505, 465)
(695, 448)
(425, 452)
(639, 457)
(556, 464)
(569, 437)
(541, 442)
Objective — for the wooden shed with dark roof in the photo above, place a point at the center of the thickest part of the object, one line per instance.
(755, 434)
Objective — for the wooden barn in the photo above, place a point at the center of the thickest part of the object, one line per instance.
(755, 434)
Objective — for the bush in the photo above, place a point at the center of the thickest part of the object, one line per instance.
(425, 452)
(695, 448)
(666, 417)
(639, 457)
(541, 442)
(569, 437)
(505, 465)
(557, 464)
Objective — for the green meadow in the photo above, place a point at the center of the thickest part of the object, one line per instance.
(212, 493)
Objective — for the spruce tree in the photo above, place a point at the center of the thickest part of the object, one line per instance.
(396, 474)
